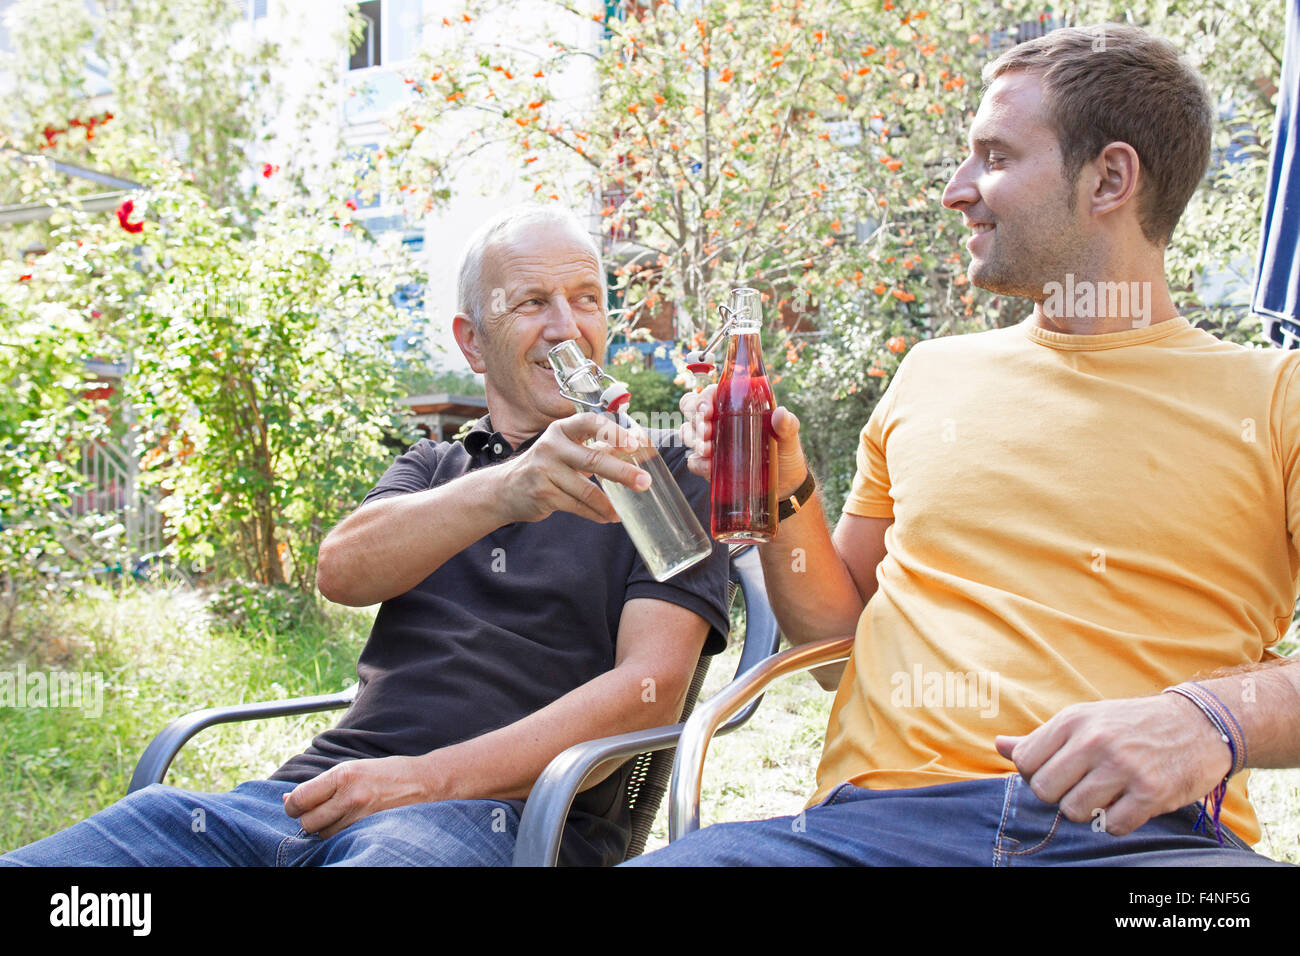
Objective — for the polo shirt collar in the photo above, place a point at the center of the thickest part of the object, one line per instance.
(488, 446)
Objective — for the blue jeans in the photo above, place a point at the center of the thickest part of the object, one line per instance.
(992, 822)
(164, 826)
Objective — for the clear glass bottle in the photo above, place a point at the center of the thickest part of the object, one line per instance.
(742, 491)
(659, 520)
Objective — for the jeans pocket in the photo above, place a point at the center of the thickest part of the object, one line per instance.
(1028, 825)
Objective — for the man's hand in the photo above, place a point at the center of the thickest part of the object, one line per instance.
(697, 433)
(354, 789)
(552, 474)
(1135, 759)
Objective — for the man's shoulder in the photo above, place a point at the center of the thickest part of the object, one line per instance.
(423, 465)
(966, 343)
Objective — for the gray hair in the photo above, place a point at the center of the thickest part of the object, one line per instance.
(471, 296)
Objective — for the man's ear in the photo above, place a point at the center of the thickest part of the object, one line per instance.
(470, 341)
(1116, 170)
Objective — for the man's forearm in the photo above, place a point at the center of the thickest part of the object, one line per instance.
(507, 762)
(811, 591)
(391, 545)
(1266, 703)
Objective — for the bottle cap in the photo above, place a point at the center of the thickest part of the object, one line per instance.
(615, 397)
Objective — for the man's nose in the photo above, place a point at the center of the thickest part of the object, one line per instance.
(961, 191)
(561, 324)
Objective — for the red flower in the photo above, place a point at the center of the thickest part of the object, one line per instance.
(50, 133)
(351, 204)
(24, 278)
(269, 170)
(124, 213)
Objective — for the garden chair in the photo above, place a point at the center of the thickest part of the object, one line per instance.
(543, 811)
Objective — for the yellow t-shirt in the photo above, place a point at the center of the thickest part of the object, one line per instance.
(1076, 518)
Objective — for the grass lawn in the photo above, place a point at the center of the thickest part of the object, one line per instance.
(164, 653)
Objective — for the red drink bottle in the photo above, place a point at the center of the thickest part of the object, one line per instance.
(743, 488)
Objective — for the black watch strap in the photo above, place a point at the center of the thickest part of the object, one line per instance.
(797, 500)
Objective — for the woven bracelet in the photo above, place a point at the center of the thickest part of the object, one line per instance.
(1229, 732)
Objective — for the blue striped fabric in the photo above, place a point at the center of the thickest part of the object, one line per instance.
(1277, 291)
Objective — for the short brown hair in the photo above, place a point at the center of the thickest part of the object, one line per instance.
(1116, 82)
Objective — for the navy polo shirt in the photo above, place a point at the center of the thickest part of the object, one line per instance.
(516, 620)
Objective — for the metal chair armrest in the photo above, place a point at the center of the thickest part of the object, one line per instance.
(157, 757)
(541, 826)
(693, 745)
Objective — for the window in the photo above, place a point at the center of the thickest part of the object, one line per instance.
(369, 51)
(405, 26)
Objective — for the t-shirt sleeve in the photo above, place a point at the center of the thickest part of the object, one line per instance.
(702, 588)
(412, 471)
(869, 497)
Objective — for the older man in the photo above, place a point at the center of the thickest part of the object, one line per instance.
(1052, 523)
(516, 618)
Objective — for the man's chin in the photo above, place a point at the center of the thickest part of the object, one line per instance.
(983, 276)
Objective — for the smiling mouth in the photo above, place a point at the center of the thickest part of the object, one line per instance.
(982, 227)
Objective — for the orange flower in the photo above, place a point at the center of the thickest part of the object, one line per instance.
(633, 108)
(536, 104)
(726, 75)
(878, 288)
(902, 296)
(659, 100)
(876, 372)
(897, 345)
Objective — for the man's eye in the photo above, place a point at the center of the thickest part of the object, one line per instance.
(994, 159)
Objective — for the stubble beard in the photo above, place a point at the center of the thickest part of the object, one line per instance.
(1023, 268)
